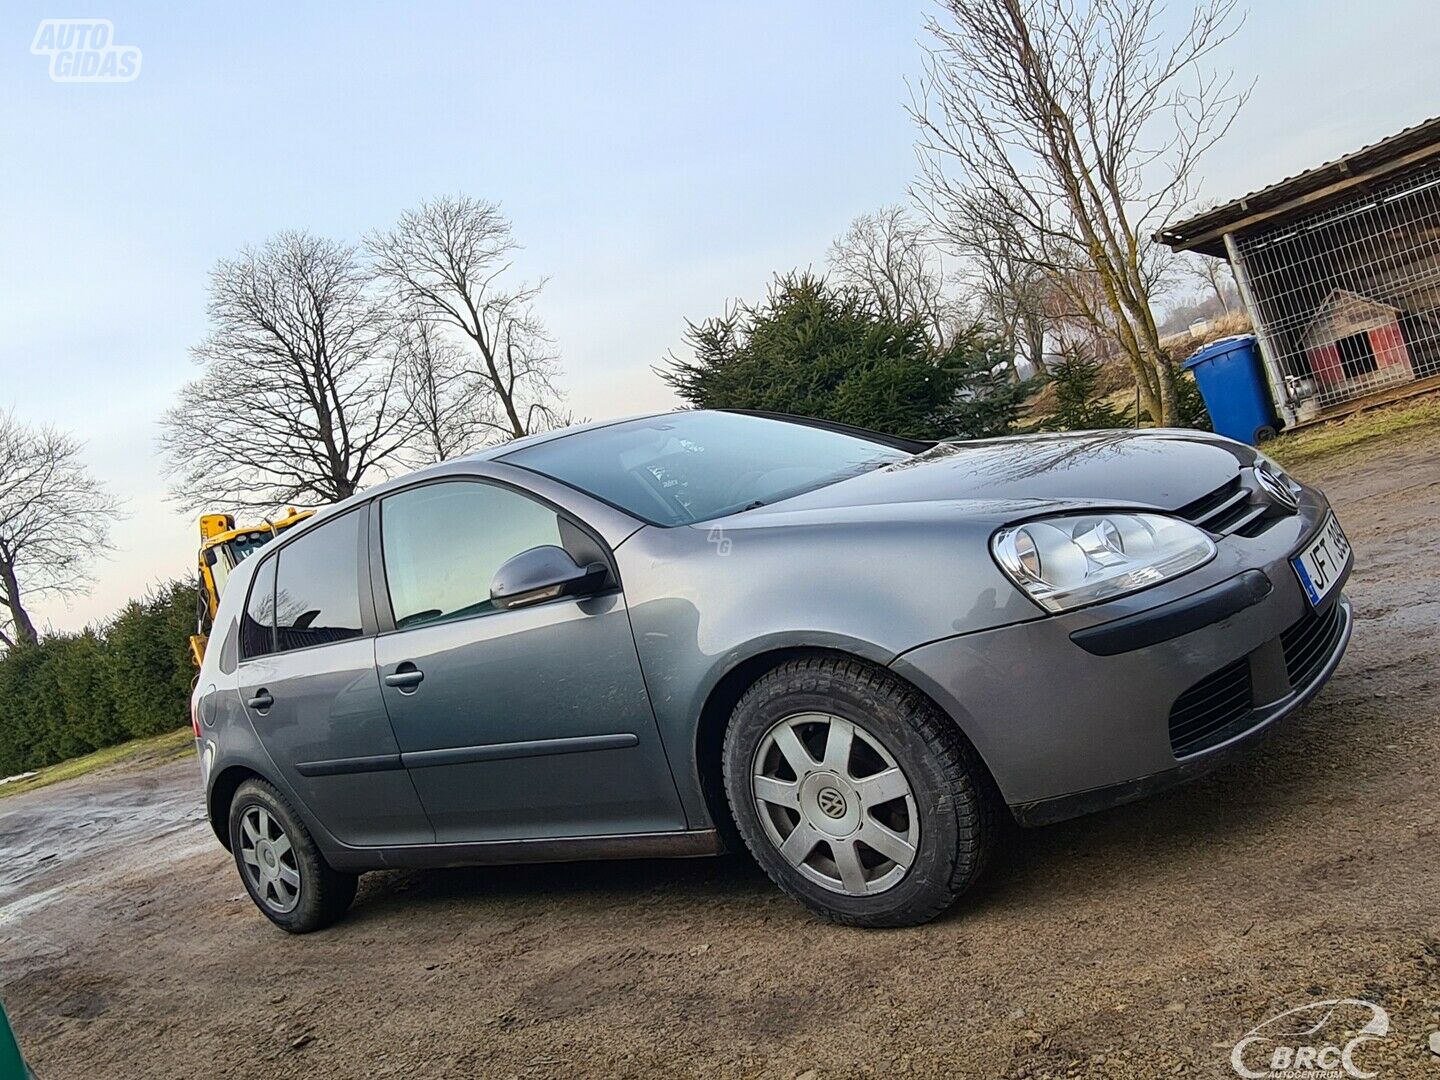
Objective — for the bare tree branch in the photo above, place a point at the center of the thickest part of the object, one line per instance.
(55, 520)
(888, 257)
(298, 400)
(448, 412)
(1072, 130)
(1215, 277)
(448, 259)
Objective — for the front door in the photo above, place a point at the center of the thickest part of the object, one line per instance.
(307, 678)
(521, 724)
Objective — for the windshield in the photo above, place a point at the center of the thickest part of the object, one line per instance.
(242, 547)
(225, 557)
(693, 466)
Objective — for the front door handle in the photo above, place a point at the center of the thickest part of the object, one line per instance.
(261, 701)
(405, 678)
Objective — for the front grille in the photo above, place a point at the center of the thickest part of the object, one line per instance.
(1203, 715)
(1219, 510)
(1240, 507)
(1310, 643)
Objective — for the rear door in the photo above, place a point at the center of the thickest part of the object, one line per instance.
(526, 723)
(307, 678)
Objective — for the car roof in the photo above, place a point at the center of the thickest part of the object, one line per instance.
(499, 450)
(321, 514)
(441, 468)
(503, 450)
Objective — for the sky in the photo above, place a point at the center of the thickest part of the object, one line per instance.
(656, 159)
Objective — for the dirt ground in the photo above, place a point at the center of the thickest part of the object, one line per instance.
(1141, 942)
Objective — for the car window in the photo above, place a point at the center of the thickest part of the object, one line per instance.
(317, 598)
(257, 623)
(443, 543)
(692, 466)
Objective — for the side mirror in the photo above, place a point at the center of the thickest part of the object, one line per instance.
(544, 573)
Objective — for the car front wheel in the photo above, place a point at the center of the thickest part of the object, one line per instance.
(855, 794)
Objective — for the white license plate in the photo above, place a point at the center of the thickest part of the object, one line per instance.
(1322, 562)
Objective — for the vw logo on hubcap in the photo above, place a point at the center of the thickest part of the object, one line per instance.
(831, 802)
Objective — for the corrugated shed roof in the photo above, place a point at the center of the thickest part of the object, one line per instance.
(1204, 231)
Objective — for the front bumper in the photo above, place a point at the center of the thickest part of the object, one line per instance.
(1070, 720)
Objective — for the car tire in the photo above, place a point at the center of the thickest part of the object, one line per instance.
(945, 814)
(282, 868)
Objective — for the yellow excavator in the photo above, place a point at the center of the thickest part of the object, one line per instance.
(222, 548)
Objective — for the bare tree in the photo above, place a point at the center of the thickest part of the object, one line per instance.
(450, 259)
(1079, 315)
(55, 519)
(1074, 129)
(447, 411)
(1014, 293)
(299, 399)
(1215, 277)
(888, 257)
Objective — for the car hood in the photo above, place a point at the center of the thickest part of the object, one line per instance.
(1161, 469)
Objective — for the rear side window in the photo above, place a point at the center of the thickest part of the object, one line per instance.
(444, 542)
(257, 624)
(317, 598)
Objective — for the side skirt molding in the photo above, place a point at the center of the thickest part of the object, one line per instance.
(667, 845)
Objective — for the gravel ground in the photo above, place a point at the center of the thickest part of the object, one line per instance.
(1140, 942)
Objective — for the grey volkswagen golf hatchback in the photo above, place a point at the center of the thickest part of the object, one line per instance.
(678, 633)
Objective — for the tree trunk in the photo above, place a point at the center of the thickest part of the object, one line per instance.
(1035, 343)
(1146, 389)
(19, 617)
(1169, 405)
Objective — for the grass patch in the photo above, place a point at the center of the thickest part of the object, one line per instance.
(1325, 439)
(156, 750)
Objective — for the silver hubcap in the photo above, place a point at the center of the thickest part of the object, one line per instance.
(269, 860)
(835, 803)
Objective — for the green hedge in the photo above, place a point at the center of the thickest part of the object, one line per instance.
(74, 693)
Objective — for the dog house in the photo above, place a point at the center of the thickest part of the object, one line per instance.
(1339, 268)
(1355, 344)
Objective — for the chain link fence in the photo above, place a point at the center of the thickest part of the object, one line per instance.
(1349, 297)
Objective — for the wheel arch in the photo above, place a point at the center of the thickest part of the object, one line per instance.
(726, 694)
(222, 794)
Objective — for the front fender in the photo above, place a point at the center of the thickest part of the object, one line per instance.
(703, 605)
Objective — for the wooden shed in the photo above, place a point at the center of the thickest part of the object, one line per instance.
(1339, 268)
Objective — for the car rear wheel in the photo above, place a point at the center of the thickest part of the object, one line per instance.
(855, 794)
(280, 864)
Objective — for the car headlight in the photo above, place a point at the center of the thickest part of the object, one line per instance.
(1067, 562)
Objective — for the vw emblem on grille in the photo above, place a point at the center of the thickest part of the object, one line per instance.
(831, 802)
(1276, 488)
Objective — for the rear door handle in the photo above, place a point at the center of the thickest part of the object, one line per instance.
(262, 700)
(405, 678)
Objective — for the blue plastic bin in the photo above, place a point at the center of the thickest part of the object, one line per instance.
(1232, 382)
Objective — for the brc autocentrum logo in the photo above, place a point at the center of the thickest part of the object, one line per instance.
(1309, 1042)
(84, 50)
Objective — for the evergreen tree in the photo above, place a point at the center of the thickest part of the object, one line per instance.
(1078, 404)
(811, 349)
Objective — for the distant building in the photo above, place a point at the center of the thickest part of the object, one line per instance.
(1339, 268)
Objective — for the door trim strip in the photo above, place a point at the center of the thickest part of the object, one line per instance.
(464, 755)
(348, 765)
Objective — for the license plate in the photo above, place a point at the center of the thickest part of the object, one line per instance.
(1322, 562)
